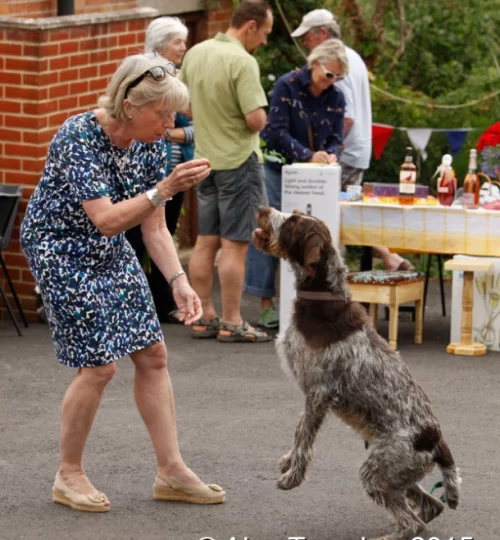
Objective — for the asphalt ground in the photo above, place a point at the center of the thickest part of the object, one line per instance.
(236, 414)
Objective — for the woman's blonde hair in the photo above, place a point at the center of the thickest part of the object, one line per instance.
(162, 30)
(329, 50)
(171, 92)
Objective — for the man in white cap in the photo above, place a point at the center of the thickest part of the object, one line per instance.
(316, 27)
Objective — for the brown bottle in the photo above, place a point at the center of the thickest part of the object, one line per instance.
(407, 178)
(470, 198)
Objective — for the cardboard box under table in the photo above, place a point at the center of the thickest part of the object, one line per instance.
(314, 190)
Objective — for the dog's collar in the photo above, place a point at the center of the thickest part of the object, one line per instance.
(324, 295)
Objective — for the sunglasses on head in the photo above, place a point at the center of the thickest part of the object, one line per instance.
(158, 73)
(331, 75)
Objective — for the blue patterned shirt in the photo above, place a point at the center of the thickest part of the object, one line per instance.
(294, 112)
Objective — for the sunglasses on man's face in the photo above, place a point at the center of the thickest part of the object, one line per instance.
(331, 75)
(158, 73)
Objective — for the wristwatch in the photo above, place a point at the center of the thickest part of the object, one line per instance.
(156, 197)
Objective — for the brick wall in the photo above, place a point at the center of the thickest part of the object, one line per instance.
(218, 20)
(48, 8)
(51, 69)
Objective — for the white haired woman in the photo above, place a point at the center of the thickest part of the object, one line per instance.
(305, 124)
(167, 36)
(105, 173)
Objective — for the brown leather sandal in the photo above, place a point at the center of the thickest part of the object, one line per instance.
(243, 333)
(205, 328)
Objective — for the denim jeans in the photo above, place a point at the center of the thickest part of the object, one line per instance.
(260, 267)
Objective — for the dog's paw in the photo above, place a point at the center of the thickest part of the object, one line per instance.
(285, 462)
(291, 479)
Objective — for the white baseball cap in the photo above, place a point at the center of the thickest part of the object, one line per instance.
(315, 18)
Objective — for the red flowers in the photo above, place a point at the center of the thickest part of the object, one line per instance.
(491, 137)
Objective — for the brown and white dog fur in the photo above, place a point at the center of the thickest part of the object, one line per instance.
(343, 366)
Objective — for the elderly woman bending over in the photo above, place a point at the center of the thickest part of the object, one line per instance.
(105, 173)
(305, 124)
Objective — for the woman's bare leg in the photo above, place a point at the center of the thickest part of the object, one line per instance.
(391, 260)
(79, 408)
(155, 401)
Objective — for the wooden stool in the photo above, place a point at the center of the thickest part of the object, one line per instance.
(393, 288)
(468, 266)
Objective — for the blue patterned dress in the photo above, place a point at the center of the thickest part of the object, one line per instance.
(96, 295)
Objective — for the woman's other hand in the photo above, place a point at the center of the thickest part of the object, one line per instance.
(320, 157)
(184, 176)
(332, 158)
(187, 301)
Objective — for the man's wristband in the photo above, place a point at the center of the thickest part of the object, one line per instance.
(175, 276)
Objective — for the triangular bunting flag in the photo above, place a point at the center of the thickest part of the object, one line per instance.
(381, 134)
(456, 139)
(419, 139)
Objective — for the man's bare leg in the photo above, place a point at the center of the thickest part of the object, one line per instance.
(201, 271)
(232, 278)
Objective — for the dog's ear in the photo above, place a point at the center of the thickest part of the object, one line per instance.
(312, 254)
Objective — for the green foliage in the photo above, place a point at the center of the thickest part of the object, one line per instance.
(450, 57)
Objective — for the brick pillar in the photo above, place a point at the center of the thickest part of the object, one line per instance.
(216, 20)
(50, 69)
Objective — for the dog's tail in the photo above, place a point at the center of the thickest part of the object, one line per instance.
(451, 473)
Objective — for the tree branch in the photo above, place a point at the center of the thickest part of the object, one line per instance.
(404, 36)
(378, 18)
(352, 10)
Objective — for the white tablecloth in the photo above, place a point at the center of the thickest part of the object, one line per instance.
(425, 229)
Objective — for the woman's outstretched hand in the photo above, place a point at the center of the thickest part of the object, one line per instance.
(187, 301)
(184, 176)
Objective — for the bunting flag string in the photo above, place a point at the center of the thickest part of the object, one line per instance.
(419, 138)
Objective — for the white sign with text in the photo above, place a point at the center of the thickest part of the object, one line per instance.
(314, 190)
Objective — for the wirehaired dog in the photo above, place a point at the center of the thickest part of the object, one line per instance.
(343, 366)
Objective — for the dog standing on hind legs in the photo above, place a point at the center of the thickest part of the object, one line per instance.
(344, 367)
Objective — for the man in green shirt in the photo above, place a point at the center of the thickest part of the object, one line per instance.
(227, 102)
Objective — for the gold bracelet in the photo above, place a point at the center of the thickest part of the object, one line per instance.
(175, 276)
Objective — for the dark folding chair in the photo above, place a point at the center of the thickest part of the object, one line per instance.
(9, 201)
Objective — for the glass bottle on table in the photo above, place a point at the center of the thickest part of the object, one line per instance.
(407, 179)
(470, 197)
(447, 182)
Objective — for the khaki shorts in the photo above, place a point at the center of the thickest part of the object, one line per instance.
(228, 201)
(350, 176)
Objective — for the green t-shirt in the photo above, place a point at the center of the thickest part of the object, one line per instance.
(224, 84)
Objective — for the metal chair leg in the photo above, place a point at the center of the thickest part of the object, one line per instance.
(9, 309)
(426, 282)
(441, 285)
(11, 285)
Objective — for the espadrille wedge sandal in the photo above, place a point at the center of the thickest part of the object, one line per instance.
(95, 502)
(177, 491)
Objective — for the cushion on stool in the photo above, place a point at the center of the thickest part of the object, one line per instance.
(384, 277)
